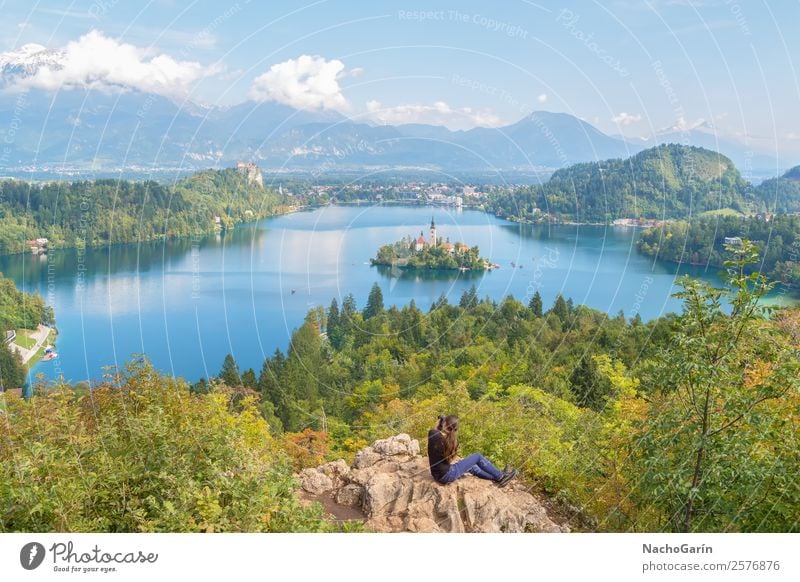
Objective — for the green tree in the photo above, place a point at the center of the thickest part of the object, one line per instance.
(535, 304)
(200, 387)
(712, 452)
(469, 299)
(12, 371)
(334, 328)
(249, 379)
(589, 387)
(229, 373)
(374, 302)
(349, 310)
(561, 310)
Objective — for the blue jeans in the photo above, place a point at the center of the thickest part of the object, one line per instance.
(475, 464)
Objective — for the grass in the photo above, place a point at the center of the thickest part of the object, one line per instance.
(23, 340)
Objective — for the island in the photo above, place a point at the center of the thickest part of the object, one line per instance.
(436, 253)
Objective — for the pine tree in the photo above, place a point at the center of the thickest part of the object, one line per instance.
(229, 373)
(374, 302)
(249, 379)
(469, 300)
(560, 309)
(200, 387)
(589, 387)
(535, 304)
(12, 372)
(349, 311)
(334, 327)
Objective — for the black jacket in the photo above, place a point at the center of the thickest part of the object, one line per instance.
(439, 466)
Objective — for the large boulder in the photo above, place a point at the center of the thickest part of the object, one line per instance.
(392, 486)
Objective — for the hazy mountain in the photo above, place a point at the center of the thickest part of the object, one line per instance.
(98, 131)
(544, 139)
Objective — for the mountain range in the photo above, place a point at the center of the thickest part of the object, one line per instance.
(77, 131)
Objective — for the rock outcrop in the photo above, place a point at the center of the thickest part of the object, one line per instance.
(390, 483)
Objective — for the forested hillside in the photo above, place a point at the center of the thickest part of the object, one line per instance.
(18, 310)
(74, 214)
(701, 241)
(781, 194)
(669, 181)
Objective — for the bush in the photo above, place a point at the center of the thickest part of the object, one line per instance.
(143, 454)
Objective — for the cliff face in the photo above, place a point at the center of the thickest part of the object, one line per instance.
(390, 485)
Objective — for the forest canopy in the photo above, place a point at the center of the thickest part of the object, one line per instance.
(100, 212)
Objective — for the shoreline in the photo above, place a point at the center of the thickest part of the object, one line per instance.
(164, 238)
(437, 269)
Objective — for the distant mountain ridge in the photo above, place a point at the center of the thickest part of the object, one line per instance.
(96, 130)
(87, 131)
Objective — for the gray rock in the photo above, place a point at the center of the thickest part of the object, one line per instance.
(337, 471)
(314, 481)
(401, 444)
(350, 495)
(366, 458)
(393, 486)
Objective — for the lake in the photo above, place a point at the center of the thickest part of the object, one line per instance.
(188, 303)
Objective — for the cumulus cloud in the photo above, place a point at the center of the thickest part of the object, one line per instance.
(96, 61)
(439, 113)
(307, 82)
(624, 118)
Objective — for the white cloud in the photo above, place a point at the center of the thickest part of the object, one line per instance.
(439, 113)
(357, 72)
(542, 98)
(307, 82)
(624, 118)
(96, 61)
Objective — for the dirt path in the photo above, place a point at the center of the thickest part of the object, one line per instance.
(333, 509)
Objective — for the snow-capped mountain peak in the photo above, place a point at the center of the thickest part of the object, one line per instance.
(27, 60)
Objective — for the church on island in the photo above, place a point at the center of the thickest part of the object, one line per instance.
(434, 241)
(431, 254)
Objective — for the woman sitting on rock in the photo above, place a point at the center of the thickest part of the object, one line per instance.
(442, 446)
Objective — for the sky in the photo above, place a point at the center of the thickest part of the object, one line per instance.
(628, 67)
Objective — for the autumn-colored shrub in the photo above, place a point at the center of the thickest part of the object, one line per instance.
(143, 454)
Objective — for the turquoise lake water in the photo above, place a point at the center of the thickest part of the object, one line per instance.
(188, 303)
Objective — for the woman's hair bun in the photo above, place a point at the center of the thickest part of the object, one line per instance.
(441, 417)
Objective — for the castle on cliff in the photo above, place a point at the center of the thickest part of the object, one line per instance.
(252, 171)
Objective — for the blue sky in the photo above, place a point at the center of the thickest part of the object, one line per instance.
(626, 66)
